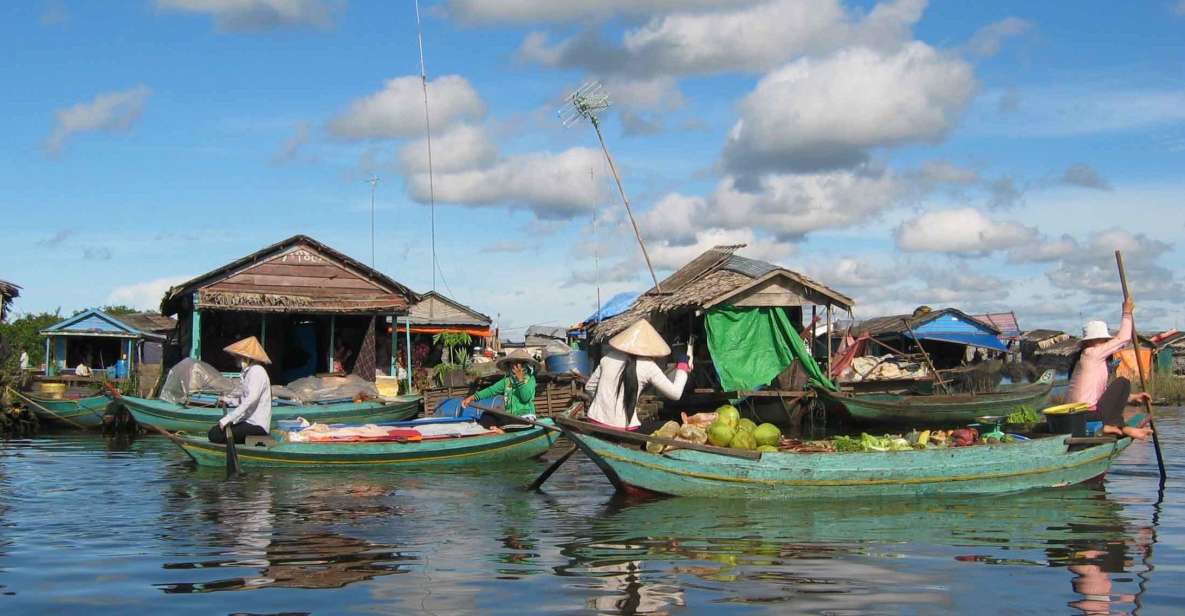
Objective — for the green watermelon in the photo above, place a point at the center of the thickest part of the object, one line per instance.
(728, 414)
(720, 434)
(767, 434)
(743, 440)
(746, 425)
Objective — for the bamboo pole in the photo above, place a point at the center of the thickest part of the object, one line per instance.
(1140, 370)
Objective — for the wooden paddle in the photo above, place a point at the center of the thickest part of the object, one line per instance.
(550, 470)
(514, 418)
(232, 454)
(1140, 369)
(545, 475)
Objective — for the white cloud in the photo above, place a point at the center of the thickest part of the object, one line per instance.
(461, 147)
(747, 37)
(144, 295)
(946, 172)
(1076, 109)
(964, 230)
(290, 149)
(489, 12)
(258, 15)
(666, 255)
(397, 111)
(109, 112)
(825, 113)
(855, 273)
(550, 185)
(988, 40)
(960, 285)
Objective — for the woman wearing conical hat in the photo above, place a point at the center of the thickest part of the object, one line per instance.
(517, 388)
(626, 370)
(252, 415)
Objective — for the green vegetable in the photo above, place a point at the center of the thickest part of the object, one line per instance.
(720, 434)
(729, 415)
(847, 443)
(743, 440)
(1023, 415)
(746, 425)
(767, 434)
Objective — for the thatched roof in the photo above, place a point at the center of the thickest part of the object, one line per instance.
(715, 277)
(8, 292)
(298, 274)
(436, 309)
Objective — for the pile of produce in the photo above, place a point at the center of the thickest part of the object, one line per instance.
(1024, 415)
(724, 428)
(926, 439)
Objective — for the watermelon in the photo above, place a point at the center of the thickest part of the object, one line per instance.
(746, 425)
(720, 434)
(743, 440)
(767, 434)
(728, 414)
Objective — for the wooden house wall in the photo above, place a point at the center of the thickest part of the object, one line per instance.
(772, 293)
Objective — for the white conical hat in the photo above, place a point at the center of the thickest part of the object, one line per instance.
(516, 356)
(250, 348)
(642, 340)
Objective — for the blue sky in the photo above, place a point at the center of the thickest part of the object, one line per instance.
(983, 155)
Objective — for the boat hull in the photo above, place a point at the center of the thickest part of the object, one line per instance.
(509, 447)
(934, 410)
(84, 412)
(982, 469)
(197, 420)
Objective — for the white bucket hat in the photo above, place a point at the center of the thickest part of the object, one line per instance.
(1095, 330)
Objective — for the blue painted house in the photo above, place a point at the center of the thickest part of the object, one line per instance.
(945, 334)
(101, 341)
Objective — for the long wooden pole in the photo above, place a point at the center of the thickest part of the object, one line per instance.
(937, 377)
(626, 201)
(1140, 370)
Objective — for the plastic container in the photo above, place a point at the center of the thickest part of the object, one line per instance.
(573, 362)
(53, 391)
(1067, 419)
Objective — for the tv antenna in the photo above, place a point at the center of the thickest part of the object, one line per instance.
(428, 140)
(584, 103)
(373, 181)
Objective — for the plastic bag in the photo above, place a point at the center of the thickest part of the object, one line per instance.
(191, 377)
(326, 388)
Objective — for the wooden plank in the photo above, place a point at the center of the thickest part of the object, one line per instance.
(290, 269)
(301, 281)
(313, 290)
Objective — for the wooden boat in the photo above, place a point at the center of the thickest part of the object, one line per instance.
(85, 412)
(516, 445)
(198, 419)
(981, 469)
(938, 410)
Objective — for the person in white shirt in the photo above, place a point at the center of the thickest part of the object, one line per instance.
(626, 370)
(24, 361)
(252, 415)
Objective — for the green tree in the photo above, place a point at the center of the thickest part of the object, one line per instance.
(24, 334)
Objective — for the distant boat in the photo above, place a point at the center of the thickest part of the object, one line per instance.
(82, 412)
(198, 419)
(510, 446)
(981, 469)
(922, 411)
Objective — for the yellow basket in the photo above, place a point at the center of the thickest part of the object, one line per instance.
(1066, 409)
(53, 391)
(388, 386)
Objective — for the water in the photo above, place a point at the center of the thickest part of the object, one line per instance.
(88, 526)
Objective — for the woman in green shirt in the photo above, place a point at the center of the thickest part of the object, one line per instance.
(517, 388)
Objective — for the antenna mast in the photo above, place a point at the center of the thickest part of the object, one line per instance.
(428, 134)
(584, 103)
(373, 181)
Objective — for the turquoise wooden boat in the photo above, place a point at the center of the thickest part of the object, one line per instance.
(85, 412)
(982, 469)
(923, 411)
(198, 419)
(510, 446)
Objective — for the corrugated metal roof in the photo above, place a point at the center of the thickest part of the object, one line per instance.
(1003, 321)
(749, 267)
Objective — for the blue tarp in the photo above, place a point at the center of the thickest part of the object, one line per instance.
(983, 340)
(616, 305)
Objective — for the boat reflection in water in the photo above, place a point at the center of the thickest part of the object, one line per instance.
(912, 554)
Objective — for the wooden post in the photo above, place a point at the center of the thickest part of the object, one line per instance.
(195, 335)
(394, 345)
(263, 329)
(407, 350)
(49, 367)
(332, 334)
(828, 339)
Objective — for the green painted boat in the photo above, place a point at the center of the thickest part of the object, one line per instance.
(940, 410)
(982, 469)
(510, 446)
(85, 412)
(198, 419)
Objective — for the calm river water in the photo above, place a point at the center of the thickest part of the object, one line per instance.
(88, 526)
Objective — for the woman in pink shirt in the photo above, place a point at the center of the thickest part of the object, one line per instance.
(1088, 385)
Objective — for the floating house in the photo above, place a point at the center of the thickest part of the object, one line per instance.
(435, 314)
(945, 334)
(8, 292)
(100, 341)
(739, 309)
(315, 310)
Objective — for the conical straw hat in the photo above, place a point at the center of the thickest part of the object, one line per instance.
(642, 340)
(518, 355)
(250, 348)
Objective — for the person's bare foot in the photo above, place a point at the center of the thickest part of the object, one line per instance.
(1140, 434)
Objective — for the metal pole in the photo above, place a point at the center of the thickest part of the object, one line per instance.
(407, 349)
(332, 334)
(195, 335)
(373, 181)
(626, 201)
(428, 141)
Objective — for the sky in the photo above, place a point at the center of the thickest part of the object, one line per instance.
(986, 156)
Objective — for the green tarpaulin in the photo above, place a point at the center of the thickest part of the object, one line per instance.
(751, 346)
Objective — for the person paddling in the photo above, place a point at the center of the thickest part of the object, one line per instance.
(252, 415)
(626, 370)
(517, 389)
(1088, 384)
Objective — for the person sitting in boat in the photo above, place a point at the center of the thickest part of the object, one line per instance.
(1088, 382)
(517, 389)
(626, 370)
(252, 415)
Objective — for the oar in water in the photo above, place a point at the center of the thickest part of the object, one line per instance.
(546, 474)
(1140, 369)
(232, 454)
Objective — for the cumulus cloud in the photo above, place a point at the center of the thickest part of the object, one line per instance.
(622, 271)
(988, 40)
(258, 15)
(485, 12)
(747, 37)
(961, 284)
(396, 111)
(942, 172)
(551, 185)
(961, 231)
(143, 295)
(110, 112)
(458, 148)
(1082, 174)
(788, 206)
(1003, 193)
(826, 113)
(854, 273)
(666, 255)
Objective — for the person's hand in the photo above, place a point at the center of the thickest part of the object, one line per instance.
(1140, 398)
(222, 423)
(1129, 306)
(520, 372)
(466, 402)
